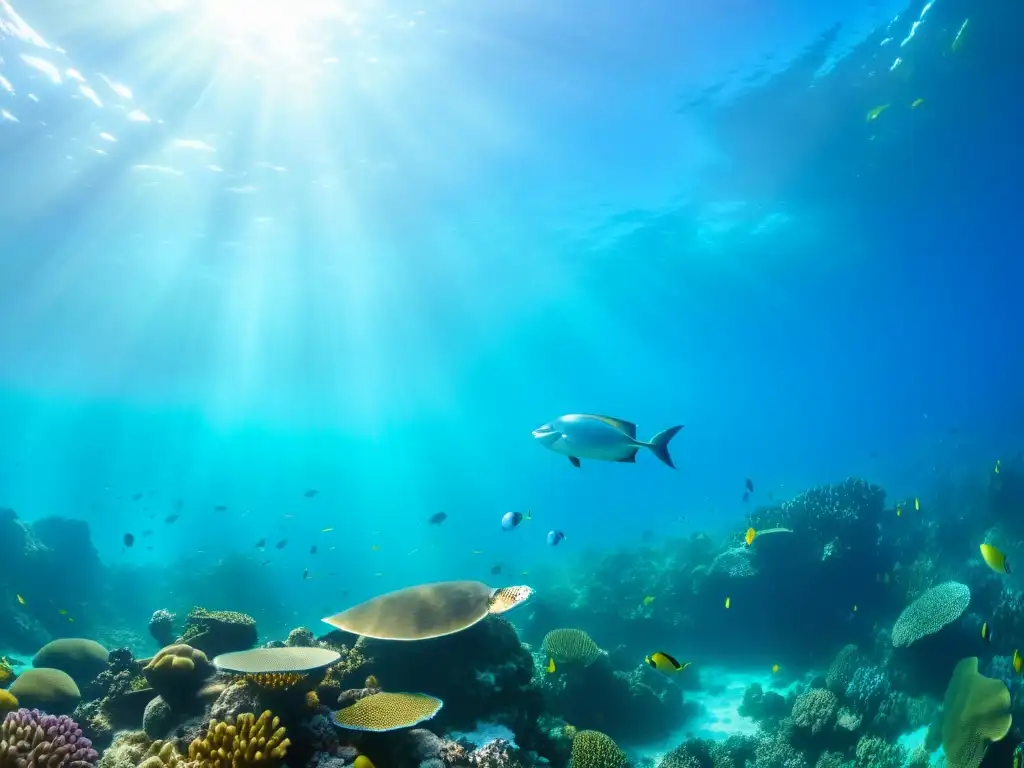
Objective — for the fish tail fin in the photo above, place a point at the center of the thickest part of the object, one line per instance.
(659, 444)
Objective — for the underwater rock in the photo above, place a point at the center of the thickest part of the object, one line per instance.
(123, 674)
(50, 690)
(236, 699)
(82, 659)
(161, 627)
(761, 706)
(217, 632)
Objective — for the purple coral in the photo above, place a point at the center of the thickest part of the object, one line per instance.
(31, 739)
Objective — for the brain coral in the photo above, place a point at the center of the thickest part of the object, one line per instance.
(815, 710)
(976, 711)
(29, 739)
(47, 689)
(931, 611)
(592, 749)
(571, 646)
(388, 711)
(80, 658)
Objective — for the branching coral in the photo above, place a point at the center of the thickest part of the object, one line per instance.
(875, 752)
(30, 739)
(252, 742)
(842, 668)
(593, 749)
(815, 710)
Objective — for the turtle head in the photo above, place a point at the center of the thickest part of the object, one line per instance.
(507, 598)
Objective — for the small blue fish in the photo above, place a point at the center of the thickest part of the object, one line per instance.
(604, 438)
(511, 520)
(555, 538)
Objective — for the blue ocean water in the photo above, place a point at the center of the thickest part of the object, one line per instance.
(368, 250)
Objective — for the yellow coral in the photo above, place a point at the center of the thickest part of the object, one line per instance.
(362, 761)
(568, 646)
(162, 754)
(593, 749)
(250, 743)
(388, 711)
(8, 701)
(312, 700)
(276, 681)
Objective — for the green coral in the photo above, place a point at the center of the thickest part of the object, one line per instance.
(815, 710)
(842, 668)
(875, 752)
(593, 749)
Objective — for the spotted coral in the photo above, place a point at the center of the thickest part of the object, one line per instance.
(385, 711)
(571, 646)
(28, 739)
(976, 711)
(593, 749)
(252, 742)
(934, 609)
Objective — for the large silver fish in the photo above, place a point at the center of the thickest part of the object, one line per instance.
(588, 436)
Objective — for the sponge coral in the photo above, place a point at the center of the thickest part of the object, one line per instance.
(593, 749)
(30, 739)
(571, 646)
(931, 611)
(976, 711)
(250, 743)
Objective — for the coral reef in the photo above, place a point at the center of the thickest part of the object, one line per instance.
(29, 738)
(593, 749)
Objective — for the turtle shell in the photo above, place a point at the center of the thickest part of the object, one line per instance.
(418, 613)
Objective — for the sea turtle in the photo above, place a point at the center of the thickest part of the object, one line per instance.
(428, 610)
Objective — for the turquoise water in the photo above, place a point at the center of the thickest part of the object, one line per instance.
(364, 248)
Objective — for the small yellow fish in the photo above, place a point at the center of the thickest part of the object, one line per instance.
(916, 103)
(874, 113)
(997, 466)
(750, 536)
(775, 669)
(374, 548)
(477, 552)
(855, 609)
(899, 510)
(728, 600)
(994, 559)
(71, 620)
(664, 663)
(1018, 661)
(986, 633)
(21, 600)
(917, 504)
(551, 666)
(326, 530)
(62, 612)
(648, 600)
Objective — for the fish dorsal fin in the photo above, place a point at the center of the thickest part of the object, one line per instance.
(627, 427)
